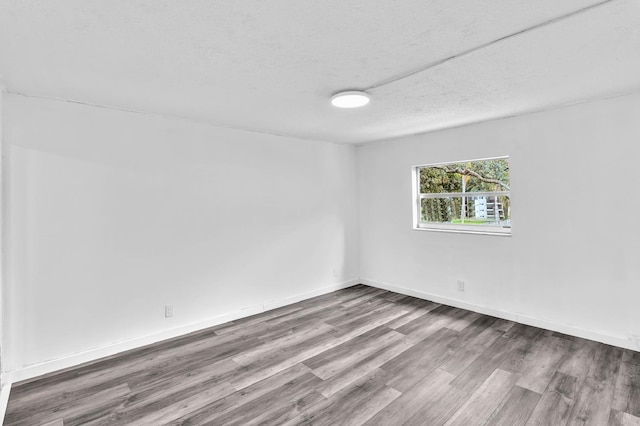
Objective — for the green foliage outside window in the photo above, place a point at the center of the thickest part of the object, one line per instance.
(474, 176)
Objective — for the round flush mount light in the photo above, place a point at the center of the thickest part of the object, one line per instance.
(350, 99)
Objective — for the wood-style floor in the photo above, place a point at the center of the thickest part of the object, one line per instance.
(356, 356)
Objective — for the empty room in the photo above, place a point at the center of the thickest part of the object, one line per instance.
(285, 212)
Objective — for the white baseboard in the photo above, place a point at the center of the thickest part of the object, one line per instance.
(50, 366)
(627, 343)
(4, 400)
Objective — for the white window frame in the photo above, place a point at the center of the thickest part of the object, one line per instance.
(451, 227)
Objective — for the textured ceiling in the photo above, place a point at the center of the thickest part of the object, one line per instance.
(272, 66)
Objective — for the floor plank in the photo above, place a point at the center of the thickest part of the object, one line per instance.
(479, 407)
(594, 400)
(426, 392)
(408, 368)
(619, 418)
(556, 402)
(330, 362)
(627, 393)
(516, 408)
(541, 363)
(354, 405)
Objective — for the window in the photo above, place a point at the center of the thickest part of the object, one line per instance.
(465, 196)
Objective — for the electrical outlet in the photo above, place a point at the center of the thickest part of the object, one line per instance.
(460, 285)
(168, 311)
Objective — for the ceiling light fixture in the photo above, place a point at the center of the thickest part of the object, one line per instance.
(350, 99)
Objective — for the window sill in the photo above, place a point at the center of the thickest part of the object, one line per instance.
(462, 230)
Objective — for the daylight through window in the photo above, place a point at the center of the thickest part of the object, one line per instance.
(466, 196)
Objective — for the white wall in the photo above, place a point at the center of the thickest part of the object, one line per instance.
(3, 206)
(115, 214)
(573, 261)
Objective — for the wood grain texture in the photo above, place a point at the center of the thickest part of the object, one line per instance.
(626, 398)
(478, 408)
(356, 356)
(556, 402)
(618, 418)
(594, 401)
(516, 408)
(426, 392)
